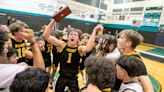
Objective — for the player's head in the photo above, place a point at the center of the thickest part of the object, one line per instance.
(74, 35)
(3, 45)
(17, 29)
(30, 80)
(129, 38)
(12, 55)
(128, 66)
(100, 72)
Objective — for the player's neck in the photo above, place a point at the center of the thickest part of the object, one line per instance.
(72, 45)
(128, 50)
(128, 79)
(17, 38)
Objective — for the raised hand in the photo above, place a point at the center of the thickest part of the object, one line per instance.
(98, 28)
(29, 35)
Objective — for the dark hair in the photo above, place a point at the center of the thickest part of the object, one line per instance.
(11, 52)
(30, 80)
(135, 37)
(131, 64)
(101, 72)
(3, 38)
(16, 26)
(108, 41)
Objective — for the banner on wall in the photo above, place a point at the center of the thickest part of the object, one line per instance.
(46, 7)
(136, 23)
(151, 19)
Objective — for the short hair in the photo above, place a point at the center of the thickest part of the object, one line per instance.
(11, 52)
(131, 64)
(30, 80)
(108, 40)
(4, 28)
(75, 30)
(3, 38)
(16, 26)
(39, 39)
(85, 35)
(135, 37)
(101, 72)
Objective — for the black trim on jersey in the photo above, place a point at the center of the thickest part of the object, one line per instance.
(47, 54)
(20, 46)
(56, 56)
(129, 89)
(83, 60)
(129, 82)
(69, 62)
(1, 89)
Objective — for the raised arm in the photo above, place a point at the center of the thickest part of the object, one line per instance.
(47, 34)
(37, 56)
(91, 41)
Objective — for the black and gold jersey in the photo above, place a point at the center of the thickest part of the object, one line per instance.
(69, 61)
(56, 56)
(21, 48)
(134, 53)
(47, 53)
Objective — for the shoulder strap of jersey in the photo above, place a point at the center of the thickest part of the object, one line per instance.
(60, 49)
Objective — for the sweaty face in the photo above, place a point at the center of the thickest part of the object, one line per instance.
(73, 38)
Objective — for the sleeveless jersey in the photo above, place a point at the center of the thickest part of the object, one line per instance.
(47, 53)
(131, 86)
(69, 61)
(21, 48)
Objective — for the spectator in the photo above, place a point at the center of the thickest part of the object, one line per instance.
(101, 74)
(30, 80)
(128, 69)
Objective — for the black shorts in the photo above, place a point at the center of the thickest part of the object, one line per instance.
(63, 82)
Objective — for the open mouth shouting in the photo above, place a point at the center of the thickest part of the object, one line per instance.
(72, 40)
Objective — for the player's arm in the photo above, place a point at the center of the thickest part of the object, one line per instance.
(47, 34)
(37, 56)
(29, 54)
(144, 79)
(90, 44)
(146, 83)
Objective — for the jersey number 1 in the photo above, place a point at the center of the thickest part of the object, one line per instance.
(69, 57)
